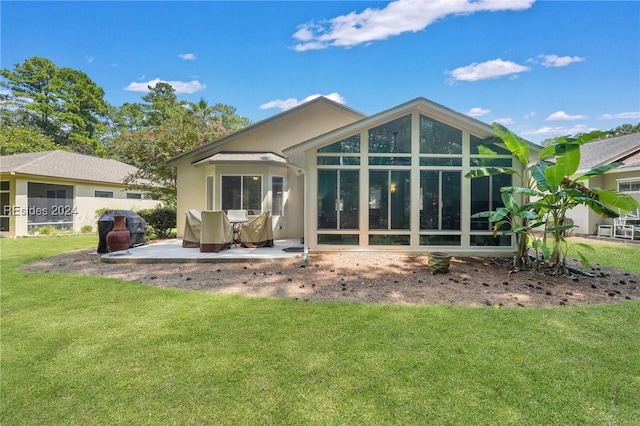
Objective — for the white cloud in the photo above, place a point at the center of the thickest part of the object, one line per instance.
(631, 115)
(89, 59)
(558, 61)
(530, 115)
(507, 121)
(486, 70)
(285, 104)
(179, 86)
(397, 17)
(188, 56)
(477, 112)
(558, 131)
(563, 116)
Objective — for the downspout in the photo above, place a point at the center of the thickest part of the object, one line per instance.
(305, 244)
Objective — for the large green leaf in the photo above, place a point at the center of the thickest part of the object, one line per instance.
(591, 136)
(547, 152)
(568, 156)
(599, 208)
(520, 190)
(537, 173)
(481, 215)
(489, 171)
(599, 170)
(553, 176)
(518, 147)
(499, 214)
(623, 202)
(483, 150)
(509, 202)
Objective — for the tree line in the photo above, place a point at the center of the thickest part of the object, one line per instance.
(47, 107)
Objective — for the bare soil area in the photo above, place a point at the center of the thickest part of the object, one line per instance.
(374, 278)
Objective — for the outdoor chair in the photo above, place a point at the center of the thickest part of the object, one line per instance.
(216, 232)
(193, 223)
(627, 226)
(258, 232)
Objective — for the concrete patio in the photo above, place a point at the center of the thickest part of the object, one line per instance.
(171, 251)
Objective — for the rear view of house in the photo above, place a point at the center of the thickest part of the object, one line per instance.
(343, 180)
(61, 189)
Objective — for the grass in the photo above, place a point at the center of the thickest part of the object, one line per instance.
(615, 254)
(88, 350)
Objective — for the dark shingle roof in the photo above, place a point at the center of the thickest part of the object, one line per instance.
(67, 165)
(605, 151)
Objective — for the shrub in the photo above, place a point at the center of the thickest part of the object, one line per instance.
(161, 219)
(45, 230)
(86, 229)
(102, 211)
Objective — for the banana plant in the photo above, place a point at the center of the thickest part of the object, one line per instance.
(552, 185)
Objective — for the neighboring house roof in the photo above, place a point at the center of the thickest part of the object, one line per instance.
(430, 108)
(244, 157)
(605, 151)
(209, 146)
(67, 165)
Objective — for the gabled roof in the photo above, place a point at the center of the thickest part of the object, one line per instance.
(67, 165)
(213, 145)
(430, 108)
(609, 150)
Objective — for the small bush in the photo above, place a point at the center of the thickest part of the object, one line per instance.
(86, 229)
(45, 230)
(161, 219)
(102, 211)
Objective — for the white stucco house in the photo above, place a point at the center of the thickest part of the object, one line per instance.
(342, 180)
(61, 189)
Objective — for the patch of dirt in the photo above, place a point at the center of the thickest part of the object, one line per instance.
(374, 278)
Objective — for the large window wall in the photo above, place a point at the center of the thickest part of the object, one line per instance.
(405, 186)
(338, 194)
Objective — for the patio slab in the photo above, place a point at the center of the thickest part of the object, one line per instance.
(171, 251)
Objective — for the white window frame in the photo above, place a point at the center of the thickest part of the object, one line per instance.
(630, 181)
(107, 194)
(5, 214)
(242, 176)
(284, 195)
(210, 191)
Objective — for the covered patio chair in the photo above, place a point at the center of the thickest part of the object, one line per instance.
(216, 232)
(258, 232)
(193, 223)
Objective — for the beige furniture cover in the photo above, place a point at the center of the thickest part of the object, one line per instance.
(216, 232)
(192, 229)
(258, 232)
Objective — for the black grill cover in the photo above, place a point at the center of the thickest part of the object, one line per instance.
(135, 224)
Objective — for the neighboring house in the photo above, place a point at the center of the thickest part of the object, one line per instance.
(62, 189)
(343, 180)
(626, 178)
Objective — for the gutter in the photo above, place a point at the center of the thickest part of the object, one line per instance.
(305, 244)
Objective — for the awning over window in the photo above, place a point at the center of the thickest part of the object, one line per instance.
(243, 157)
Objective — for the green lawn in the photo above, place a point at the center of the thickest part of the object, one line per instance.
(622, 255)
(88, 350)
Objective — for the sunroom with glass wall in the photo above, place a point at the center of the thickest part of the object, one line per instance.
(399, 184)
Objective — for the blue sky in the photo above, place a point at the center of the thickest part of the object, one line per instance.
(542, 68)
